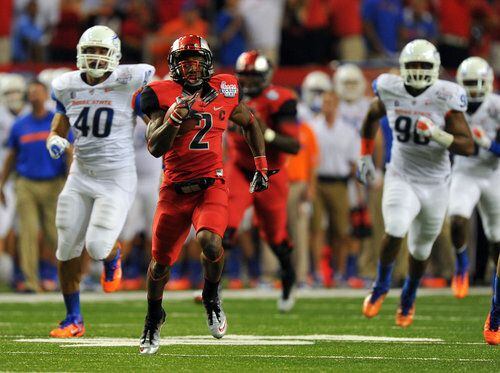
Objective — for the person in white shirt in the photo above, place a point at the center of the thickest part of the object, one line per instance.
(350, 85)
(338, 144)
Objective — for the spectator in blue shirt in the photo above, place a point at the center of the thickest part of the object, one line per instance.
(382, 21)
(27, 36)
(418, 23)
(38, 181)
(229, 30)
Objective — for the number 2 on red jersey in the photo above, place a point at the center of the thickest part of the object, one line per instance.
(197, 142)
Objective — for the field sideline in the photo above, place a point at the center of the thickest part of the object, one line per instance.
(325, 332)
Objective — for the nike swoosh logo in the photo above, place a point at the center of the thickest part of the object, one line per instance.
(217, 108)
(223, 327)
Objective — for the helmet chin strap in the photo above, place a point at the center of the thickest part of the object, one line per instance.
(191, 88)
(95, 74)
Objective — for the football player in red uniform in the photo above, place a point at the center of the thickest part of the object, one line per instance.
(187, 117)
(276, 109)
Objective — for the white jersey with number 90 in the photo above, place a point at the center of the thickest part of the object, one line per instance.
(412, 156)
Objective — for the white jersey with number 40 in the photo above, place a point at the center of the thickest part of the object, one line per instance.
(412, 156)
(487, 116)
(101, 116)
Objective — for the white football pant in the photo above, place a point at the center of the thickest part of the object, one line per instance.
(91, 211)
(467, 191)
(416, 209)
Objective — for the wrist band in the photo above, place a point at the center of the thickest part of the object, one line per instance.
(260, 163)
(367, 146)
(269, 135)
(174, 120)
(442, 138)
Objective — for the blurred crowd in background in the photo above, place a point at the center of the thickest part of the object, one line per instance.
(290, 32)
(335, 223)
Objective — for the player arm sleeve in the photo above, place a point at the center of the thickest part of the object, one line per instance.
(60, 108)
(495, 148)
(147, 102)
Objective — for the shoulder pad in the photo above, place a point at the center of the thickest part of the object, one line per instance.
(453, 94)
(65, 81)
(278, 93)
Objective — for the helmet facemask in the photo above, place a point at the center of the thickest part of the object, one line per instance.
(419, 74)
(191, 67)
(97, 59)
(476, 90)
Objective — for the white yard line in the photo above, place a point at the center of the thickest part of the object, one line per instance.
(227, 294)
(231, 340)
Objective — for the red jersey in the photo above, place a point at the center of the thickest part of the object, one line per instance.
(198, 152)
(277, 108)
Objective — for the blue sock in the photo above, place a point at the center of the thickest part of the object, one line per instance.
(351, 269)
(47, 270)
(72, 302)
(409, 293)
(195, 271)
(254, 270)
(495, 305)
(110, 266)
(462, 264)
(383, 280)
(233, 263)
(176, 271)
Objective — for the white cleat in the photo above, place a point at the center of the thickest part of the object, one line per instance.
(286, 305)
(216, 318)
(150, 339)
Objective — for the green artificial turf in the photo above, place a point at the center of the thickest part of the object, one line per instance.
(458, 323)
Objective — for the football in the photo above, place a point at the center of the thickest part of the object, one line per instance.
(187, 124)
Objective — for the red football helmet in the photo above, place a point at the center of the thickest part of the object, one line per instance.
(190, 60)
(254, 71)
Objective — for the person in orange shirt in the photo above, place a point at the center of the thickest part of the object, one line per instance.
(301, 170)
(188, 22)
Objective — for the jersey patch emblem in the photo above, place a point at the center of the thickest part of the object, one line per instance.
(228, 90)
(124, 78)
(443, 95)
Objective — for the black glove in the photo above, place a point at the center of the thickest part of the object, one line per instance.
(260, 181)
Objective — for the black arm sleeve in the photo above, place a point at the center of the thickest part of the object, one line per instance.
(149, 101)
(286, 113)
